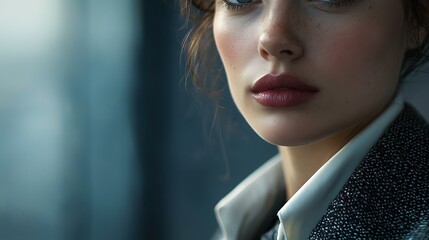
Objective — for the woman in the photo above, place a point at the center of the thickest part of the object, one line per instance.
(320, 79)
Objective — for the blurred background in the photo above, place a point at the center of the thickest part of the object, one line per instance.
(99, 136)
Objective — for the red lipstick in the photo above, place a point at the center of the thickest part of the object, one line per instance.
(282, 91)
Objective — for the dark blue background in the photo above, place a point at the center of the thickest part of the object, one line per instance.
(100, 136)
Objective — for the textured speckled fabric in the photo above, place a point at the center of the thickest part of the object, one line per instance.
(387, 197)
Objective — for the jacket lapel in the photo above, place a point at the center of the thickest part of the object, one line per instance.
(387, 197)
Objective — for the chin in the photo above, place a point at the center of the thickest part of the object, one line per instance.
(287, 138)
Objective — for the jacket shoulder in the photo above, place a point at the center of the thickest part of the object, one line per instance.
(387, 197)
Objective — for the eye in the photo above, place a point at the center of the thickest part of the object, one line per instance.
(329, 4)
(237, 4)
(239, 1)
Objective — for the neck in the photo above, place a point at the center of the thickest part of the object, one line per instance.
(301, 162)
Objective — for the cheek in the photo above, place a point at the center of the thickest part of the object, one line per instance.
(226, 42)
(233, 43)
(236, 50)
(366, 51)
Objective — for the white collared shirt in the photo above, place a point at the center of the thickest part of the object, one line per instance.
(244, 209)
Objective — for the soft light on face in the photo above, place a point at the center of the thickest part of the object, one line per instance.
(350, 50)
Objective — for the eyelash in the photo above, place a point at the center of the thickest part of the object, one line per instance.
(337, 3)
(234, 6)
(324, 4)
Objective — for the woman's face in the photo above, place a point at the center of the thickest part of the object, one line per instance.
(303, 70)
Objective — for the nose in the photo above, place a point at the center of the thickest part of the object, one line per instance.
(278, 40)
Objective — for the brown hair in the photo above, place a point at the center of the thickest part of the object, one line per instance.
(199, 40)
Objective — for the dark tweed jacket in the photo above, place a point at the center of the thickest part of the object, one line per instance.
(387, 196)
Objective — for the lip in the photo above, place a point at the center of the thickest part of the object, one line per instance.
(282, 91)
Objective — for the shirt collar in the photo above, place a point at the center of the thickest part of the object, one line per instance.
(242, 211)
(245, 208)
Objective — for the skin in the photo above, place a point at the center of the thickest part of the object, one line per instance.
(352, 54)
